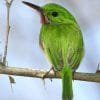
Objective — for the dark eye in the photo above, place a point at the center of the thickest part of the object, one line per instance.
(54, 14)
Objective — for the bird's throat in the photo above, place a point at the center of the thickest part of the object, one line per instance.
(44, 19)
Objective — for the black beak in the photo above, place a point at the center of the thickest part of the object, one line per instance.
(44, 19)
(39, 9)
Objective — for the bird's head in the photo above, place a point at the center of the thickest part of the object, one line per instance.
(52, 13)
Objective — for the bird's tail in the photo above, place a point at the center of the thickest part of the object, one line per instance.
(67, 92)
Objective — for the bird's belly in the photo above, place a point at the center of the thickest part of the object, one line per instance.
(61, 48)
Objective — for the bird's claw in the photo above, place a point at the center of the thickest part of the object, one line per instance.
(45, 75)
(73, 74)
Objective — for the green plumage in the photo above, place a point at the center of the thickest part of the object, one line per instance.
(62, 42)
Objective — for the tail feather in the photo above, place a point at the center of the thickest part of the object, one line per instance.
(67, 92)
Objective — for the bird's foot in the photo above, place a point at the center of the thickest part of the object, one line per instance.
(51, 69)
(44, 76)
(73, 75)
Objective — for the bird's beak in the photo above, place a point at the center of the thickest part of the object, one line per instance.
(39, 9)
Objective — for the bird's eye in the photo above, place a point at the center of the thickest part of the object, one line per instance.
(54, 14)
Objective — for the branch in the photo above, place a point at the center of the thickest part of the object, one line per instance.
(8, 5)
(26, 72)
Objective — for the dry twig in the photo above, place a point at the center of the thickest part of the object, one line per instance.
(8, 5)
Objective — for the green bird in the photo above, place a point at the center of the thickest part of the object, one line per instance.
(62, 41)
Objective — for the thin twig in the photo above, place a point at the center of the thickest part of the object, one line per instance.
(26, 72)
(8, 5)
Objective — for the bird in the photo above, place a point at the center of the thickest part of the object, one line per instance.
(62, 41)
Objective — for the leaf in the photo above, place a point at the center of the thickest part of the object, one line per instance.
(12, 80)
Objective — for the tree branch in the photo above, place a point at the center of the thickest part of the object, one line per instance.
(26, 72)
(8, 5)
